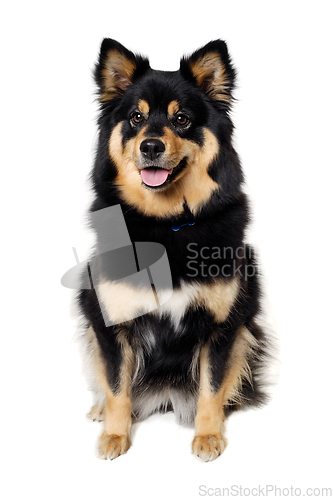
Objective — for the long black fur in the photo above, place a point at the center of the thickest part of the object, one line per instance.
(220, 223)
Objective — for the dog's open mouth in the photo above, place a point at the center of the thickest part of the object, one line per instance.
(158, 177)
(155, 176)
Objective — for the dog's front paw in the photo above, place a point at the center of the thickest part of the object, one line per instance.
(111, 446)
(208, 447)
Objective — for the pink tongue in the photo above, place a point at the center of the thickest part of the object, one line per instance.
(154, 176)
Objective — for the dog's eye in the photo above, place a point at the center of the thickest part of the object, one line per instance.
(137, 118)
(182, 119)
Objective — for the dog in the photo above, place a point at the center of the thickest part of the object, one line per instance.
(165, 156)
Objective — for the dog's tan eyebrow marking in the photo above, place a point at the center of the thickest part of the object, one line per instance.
(143, 106)
(173, 108)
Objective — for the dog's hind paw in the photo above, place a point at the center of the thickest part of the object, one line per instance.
(112, 446)
(96, 413)
(208, 447)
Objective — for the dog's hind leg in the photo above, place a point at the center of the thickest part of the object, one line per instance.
(97, 411)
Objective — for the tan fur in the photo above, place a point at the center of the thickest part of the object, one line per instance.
(209, 418)
(118, 406)
(209, 441)
(97, 412)
(116, 413)
(117, 74)
(173, 108)
(211, 69)
(208, 447)
(143, 107)
(123, 302)
(219, 297)
(238, 368)
(111, 446)
(193, 185)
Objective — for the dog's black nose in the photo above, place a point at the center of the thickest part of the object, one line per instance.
(152, 148)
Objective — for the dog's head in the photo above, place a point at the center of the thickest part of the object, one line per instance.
(165, 140)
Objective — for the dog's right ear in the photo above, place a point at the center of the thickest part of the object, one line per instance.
(116, 69)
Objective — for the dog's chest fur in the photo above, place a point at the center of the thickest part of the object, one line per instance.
(122, 302)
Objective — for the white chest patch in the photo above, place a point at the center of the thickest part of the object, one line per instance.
(122, 302)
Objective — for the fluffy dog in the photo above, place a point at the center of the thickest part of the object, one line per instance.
(165, 155)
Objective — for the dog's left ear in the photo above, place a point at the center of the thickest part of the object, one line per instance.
(116, 69)
(211, 69)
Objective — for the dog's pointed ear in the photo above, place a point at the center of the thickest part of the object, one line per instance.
(116, 69)
(211, 69)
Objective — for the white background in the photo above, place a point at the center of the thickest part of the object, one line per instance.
(283, 118)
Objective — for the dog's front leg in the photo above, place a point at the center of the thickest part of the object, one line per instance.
(115, 381)
(209, 441)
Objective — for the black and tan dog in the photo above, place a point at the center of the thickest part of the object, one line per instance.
(165, 155)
